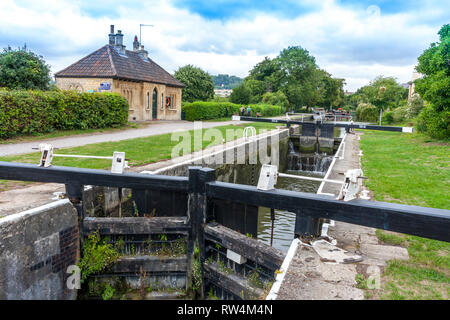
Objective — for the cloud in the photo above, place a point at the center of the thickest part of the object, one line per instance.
(350, 40)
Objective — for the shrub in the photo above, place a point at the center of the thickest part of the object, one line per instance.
(35, 112)
(266, 110)
(367, 112)
(399, 114)
(200, 110)
(415, 105)
(388, 117)
(434, 123)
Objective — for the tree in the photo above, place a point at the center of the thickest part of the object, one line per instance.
(277, 99)
(199, 84)
(23, 69)
(240, 95)
(434, 64)
(382, 92)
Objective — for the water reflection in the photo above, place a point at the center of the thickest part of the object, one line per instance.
(283, 233)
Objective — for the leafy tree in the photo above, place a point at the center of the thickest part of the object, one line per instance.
(256, 88)
(382, 92)
(199, 84)
(366, 112)
(295, 73)
(240, 95)
(434, 64)
(277, 99)
(23, 69)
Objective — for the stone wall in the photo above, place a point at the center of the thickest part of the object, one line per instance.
(136, 93)
(36, 247)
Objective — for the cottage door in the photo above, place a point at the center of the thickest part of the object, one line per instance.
(154, 104)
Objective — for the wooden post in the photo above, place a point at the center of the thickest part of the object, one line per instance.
(307, 226)
(197, 216)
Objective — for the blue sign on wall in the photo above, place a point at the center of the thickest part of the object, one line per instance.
(105, 86)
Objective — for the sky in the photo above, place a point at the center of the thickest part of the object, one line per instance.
(354, 40)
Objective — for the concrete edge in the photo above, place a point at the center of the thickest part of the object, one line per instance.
(34, 211)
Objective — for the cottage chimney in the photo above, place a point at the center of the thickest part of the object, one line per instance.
(119, 42)
(112, 36)
(135, 44)
(143, 53)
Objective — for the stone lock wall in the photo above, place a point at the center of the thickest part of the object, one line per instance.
(36, 248)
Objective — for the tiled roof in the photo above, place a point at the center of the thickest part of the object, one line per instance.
(108, 62)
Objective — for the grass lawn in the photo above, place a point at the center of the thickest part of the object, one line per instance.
(410, 169)
(140, 151)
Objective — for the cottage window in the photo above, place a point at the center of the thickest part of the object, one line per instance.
(148, 100)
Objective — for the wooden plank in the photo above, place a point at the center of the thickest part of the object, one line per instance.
(237, 216)
(134, 264)
(420, 221)
(69, 175)
(234, 283)
(250, 248)
(136, 225)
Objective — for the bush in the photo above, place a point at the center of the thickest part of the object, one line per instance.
(435, 124)
(367, 112)
(200, 110)
(415, 105)
(400, 114)
(35, 112)
(388, 117)
(266, 110)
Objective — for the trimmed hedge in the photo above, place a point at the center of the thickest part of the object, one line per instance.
(30, 112)
(201, 110)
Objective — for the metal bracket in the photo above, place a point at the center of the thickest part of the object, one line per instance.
(352, 185)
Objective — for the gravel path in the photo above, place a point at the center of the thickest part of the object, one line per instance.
(80, 140)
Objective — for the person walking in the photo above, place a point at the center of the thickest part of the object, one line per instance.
(249, 111)
(242, 111)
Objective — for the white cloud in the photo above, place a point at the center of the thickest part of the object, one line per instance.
(353, 44)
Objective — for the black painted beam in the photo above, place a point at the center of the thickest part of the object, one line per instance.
(420, 221)
(337, 124)
(69, 175)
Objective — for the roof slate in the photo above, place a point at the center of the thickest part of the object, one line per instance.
(108, 62)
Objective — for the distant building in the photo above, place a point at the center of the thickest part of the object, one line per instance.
(347, 93)
(152, 92)
(223, 92)
(415, 76)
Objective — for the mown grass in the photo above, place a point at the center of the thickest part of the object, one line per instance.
(140, 151)
(410, 169)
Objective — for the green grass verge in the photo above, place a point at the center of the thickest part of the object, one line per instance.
(410, 169)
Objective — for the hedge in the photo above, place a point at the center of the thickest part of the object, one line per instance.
(31, 112)
(200, 110)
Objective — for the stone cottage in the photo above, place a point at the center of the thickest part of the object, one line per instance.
(152, 93)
